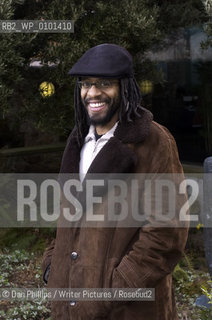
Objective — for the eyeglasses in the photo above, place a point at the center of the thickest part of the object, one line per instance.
(100, 84)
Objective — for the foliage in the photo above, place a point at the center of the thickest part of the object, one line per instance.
(135, 24)
(190, 284)
(8, 262)
(206, 314)
(10, 58)
(27, 311)
(208, 25)
(26, 238)
(15, 268)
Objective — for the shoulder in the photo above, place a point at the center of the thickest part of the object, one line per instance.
(161, 132)
(160, 139)
(158, 153)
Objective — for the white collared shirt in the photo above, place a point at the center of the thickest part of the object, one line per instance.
(92, 147)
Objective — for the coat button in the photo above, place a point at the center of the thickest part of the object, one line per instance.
(74, 255)
(72, 303)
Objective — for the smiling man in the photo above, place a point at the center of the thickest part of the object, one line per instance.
(101, 99)
(115, 134)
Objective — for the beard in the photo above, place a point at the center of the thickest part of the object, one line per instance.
(113, 106)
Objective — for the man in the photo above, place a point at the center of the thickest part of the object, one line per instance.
(114, 134)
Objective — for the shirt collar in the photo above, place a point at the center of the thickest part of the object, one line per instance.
(106, 136)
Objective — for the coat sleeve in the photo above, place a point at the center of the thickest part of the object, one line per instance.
(158, 248)
(46, 261)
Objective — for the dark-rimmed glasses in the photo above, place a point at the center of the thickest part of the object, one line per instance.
(99, 84)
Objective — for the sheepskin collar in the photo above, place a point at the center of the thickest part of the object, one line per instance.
(115, 156)
(135, 131)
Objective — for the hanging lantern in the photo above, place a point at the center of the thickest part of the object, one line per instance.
(146, 87)
(47, 89)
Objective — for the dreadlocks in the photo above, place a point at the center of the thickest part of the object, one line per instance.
(129, 107)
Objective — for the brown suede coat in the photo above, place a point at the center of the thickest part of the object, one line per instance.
(120, 257)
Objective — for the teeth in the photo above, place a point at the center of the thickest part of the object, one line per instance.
(96, 105)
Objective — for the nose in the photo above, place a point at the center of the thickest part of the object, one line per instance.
(93, 92)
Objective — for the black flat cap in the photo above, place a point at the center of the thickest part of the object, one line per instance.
(105, 60)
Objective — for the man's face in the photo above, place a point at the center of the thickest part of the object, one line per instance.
(101, 101)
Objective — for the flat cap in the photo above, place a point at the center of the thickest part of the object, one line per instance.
(105, 60)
